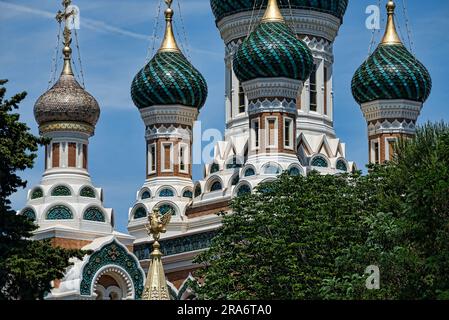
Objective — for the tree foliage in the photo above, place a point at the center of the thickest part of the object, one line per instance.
(26, 267)
(313, 237)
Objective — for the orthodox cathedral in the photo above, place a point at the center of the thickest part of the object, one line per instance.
(279, 117)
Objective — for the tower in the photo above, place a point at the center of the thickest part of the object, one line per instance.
(169, 92)
(316, 23)
(66, 206)
(272, 65)
(391, 87)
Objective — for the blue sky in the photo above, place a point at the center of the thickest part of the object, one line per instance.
(114, 41)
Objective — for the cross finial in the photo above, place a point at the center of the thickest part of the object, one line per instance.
(169, 2)
(67, 50)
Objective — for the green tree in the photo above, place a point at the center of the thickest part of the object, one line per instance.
(282, 241)
(313, 237)
(26, 267)
(407, 223)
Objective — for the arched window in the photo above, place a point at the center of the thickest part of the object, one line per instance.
(87, 192)
(188, 194)
(29, 213)
(59, 213)
(61, 191)
(216, 186)
(294, 171)
(197, 191)
(272, 169)
(249, 172)
(146, 195)
(37, 193)
(94, 214)
(140, 213)
(341, 165)
(163, 209)
(235, 180)
(166, 193)
(244, 189)
(214, 168)
(319, 162)
(233, 163)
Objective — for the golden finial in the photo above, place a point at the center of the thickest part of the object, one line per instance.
(273, 14)
(156, 285)
(391, 36)
(67, 50)
(169, 42)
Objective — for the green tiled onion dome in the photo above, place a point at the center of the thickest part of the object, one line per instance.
(223, 8)
(169, 79)
(391, 72)
(273, 51)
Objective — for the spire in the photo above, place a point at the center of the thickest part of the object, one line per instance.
(273, 14)
(156, 285)
(391, 36)
(67, 50)
(169, 42)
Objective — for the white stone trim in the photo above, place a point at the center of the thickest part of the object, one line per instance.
(391, 109)
(272, 87)
(169, 114)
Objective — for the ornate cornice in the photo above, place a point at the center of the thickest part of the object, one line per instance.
(306, 22)
(391, 109)
(162, 131)
(67, 126)
(171, 114)
(392, 127)
(271, 88)
(272, 105)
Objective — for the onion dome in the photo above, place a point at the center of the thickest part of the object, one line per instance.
(67, 101)
(169, 78)
(273, 51)
(391, 72)
(224, 8)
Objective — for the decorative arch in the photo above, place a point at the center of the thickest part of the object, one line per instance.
(184, 293)
(114, 259)
(319, 161)
(166, 192)
(59, 212)
(215, 183)
(166, 206)
(61, 191)
(37, 193)
(294, 171)
(249, 171)
(94, 214)
(145, 194)
(88, 192)
(139, 212)
(187, 193)
(341, 165)
(272, 168)
(29, 213)
(242, 189)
